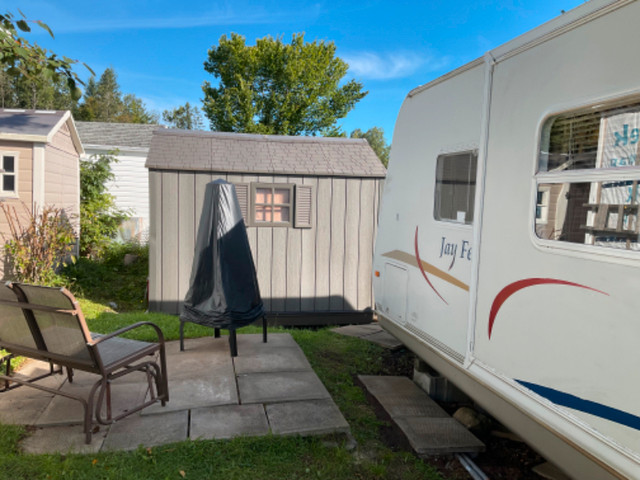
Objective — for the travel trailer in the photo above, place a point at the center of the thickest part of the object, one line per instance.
(508, 250)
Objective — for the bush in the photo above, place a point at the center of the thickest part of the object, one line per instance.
(39, 244)
(107, 279)
(99, 218)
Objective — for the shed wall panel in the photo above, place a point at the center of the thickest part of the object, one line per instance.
(170, 242)
(323, 268)
(155, 241)
(264, 254)
(187, 230)
(368, 192)
(279, 263)
(308, 254)
(337, 238)
(323, 244)
(352, 240)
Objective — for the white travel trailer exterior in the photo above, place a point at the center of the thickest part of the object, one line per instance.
(508, 249)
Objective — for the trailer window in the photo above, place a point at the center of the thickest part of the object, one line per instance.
(455, 187)
(588, 174)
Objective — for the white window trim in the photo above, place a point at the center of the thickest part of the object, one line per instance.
(593, 175)
(16, 163)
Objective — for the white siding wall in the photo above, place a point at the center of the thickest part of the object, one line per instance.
(130, 188)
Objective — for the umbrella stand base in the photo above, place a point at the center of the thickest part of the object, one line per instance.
(233, 342)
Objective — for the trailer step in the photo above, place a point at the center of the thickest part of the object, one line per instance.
(427, 427)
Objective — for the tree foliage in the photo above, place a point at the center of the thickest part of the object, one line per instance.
(99, 218)
(277, 88)
(186, 117)
(104, 102)
(21, 59)
(375, 137)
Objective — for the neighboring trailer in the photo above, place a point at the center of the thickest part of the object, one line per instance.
(508, 249)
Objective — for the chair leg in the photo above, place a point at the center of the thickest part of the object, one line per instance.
(216, 333)
(233, 343)
(264, 329)
(181, 336)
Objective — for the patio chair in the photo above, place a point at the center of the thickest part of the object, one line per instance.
(47, 324)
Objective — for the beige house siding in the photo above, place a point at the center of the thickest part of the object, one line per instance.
(23, 202)
(62, 174)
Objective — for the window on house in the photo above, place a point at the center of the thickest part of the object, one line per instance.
(588, 174)
(9, 172)
(455, 187)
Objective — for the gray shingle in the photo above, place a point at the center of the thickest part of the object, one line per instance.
(267, 154)
(28, 122)
(135, 135)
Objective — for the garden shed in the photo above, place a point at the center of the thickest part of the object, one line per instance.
(129, 143)
(310, 205)
(39, 155)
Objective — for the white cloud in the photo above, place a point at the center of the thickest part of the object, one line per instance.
(388, 66)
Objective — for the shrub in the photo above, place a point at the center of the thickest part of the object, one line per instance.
(39, 244)
(99, 218)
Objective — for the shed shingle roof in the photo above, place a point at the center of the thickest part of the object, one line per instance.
(29, 122)
(267, 154)
(136, 135)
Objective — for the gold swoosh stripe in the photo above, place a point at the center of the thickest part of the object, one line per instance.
(427, 267)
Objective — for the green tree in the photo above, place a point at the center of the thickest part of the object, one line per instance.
(277, 88)
(186, 117)
(375, 137)
(21, 58)
(99, 218)
(104, 102)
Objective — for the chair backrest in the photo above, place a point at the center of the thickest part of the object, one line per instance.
(59, 321)
(15, 332)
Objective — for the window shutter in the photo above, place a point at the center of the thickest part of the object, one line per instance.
(242, 192)
(303, 206)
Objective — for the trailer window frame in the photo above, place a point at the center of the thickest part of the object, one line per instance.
(455, 187)
(588, 175)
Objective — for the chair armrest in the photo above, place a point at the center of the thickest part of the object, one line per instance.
(102, 338)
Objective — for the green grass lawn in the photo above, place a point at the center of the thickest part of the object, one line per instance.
(335, 358)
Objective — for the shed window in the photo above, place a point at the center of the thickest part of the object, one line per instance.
(9, 173)
(455, 187)
(588, 175)
(272, 204)
(275, 204)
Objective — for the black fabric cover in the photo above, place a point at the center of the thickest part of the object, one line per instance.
(223, 290)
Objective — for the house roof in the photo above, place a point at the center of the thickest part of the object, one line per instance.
(36, 125)
(113, 135)
(266, 154)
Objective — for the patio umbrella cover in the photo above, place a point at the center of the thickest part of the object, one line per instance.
(223, 290)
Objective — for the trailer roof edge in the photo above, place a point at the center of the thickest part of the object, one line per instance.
(551, 29)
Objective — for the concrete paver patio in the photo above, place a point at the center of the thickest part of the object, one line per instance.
(266, 388)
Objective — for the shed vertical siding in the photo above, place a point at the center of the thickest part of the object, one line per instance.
(320, 269)
(155, 242)
(308, 254)
(323, 244)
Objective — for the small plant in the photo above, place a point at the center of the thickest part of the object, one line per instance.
(38, 243)
(99, 217)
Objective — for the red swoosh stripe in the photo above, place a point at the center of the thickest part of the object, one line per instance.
(514, 287)
(424, 274)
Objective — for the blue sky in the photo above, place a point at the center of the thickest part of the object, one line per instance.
(158, 47)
